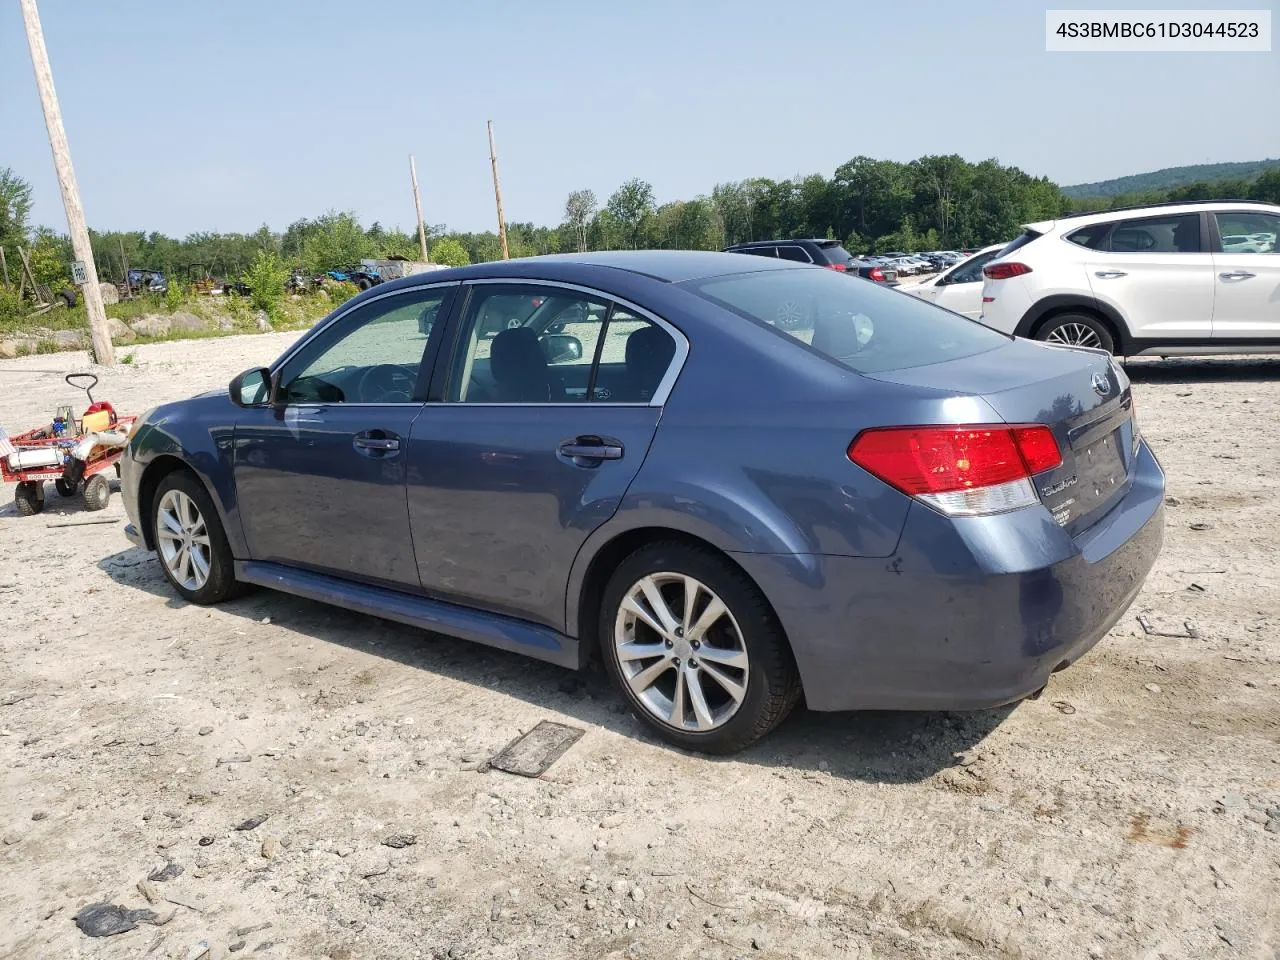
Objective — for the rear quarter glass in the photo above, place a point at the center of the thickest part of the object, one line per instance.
(862, 325)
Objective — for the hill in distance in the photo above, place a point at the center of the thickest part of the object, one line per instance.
(1170, 177)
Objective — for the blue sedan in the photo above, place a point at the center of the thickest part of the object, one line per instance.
(738, 482)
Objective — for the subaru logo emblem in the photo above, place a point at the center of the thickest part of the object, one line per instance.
(1101, 385)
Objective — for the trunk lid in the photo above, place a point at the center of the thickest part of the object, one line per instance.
(1079, 394)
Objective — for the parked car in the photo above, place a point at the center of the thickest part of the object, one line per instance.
(959, 289)
(1144, 280)
(886, 507)
(905, 265)
(825, 253)
(143, 280)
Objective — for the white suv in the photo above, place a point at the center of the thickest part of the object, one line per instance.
(1169, 279)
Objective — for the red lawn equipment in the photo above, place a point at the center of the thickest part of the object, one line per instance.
(71, 451)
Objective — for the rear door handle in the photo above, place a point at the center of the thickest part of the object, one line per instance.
(1109, 274)
(590, 451)
(1237, 275)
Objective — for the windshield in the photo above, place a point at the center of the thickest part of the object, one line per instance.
(859, 324)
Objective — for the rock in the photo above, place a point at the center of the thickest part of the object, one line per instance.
(1151, 687)
(631, 923)
(253, 822)
(204, 731)
(167, 872)
(119, 330)
(1227, 934)
(237, 946)
(68, 339)
(109, 293)
(184, 321)
(1201, 526)
(590, 904)
(637, 894)
(1273, 825)
(672, 923)
(1231, 801)
(205, 841)
(371, 865)
(270, 848)
(398, 841)
(107, 920)
(758, 943)
(149, 890)
(39, 815)
(620, 886)
(262, 321)
(19, 347)
(207, 950)
(151, 325)
(12, 837)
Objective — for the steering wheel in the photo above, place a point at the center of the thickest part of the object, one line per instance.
(385, 383)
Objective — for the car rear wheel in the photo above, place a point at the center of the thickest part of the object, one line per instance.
(695, 648)
(1077, 330)
(193, 549)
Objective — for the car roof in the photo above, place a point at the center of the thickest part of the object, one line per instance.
(667, 266)
(1149, 210)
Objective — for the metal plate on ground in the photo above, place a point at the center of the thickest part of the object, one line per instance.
(533, 754)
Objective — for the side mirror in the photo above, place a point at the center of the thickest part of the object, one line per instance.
(562, 348)
(251, 388)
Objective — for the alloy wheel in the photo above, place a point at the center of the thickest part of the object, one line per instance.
(183, 539)
(681, 652)
(1073, 335)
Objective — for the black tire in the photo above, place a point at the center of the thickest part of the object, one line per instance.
(772, 682)
(68, 296)
(65, 488)
(221, 583)
(97, 492)
(28, 497)
(363, 284)
(1063, 324)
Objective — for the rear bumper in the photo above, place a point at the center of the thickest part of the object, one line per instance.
(967, 614)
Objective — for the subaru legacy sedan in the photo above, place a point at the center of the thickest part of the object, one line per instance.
(738, 482)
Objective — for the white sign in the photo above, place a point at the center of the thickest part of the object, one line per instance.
(77, 272)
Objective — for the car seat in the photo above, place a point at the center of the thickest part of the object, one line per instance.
(519, 369)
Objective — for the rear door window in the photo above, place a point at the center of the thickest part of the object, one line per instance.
(861, 325)
(798, 254)
(1175, 234)
(1248, 232)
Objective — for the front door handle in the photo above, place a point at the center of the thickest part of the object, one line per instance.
(376, 443)
(1237, 275)
(1109, 274)
(589, 451)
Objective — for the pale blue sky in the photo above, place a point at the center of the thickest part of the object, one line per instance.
(186, 116)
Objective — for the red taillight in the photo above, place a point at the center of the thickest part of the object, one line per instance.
(877, 274)
(840, 267)
(960, 470)
(1004, 271)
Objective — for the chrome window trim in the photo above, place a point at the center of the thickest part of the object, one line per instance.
(345, 310)
(665, 385)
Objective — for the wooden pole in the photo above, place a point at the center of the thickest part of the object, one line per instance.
(89, 290)
(497, 196)
(124, 268)
(5, 264)
(417, 206)
(30, 278)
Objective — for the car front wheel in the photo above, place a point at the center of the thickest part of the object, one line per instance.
(190, 541)
(695, 648)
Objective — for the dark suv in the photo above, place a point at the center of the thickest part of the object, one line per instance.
(825, 253)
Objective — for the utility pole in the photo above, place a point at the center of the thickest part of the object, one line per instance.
(497, 196)
(89, 290)
(417, 205)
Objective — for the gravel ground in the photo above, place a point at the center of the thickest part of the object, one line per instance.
(1132, 811)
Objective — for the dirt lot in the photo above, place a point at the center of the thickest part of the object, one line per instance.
(1132, 811)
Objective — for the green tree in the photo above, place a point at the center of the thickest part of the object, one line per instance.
(333, 241)
(629, 206)
(1267, 187)
(15, 207)
(579, 208)
(450, 252)
(265, 278)
(50, 256)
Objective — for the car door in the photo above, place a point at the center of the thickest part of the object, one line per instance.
(1157, 272)
(1246, 265)
(320, 470)
(960, 288)
(530, 442)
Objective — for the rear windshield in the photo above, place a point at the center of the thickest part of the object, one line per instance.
(1022, 241)
(854, 322)
(835, 253)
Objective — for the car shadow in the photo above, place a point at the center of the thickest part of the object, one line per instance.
(870, 746)
(1202, 370)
